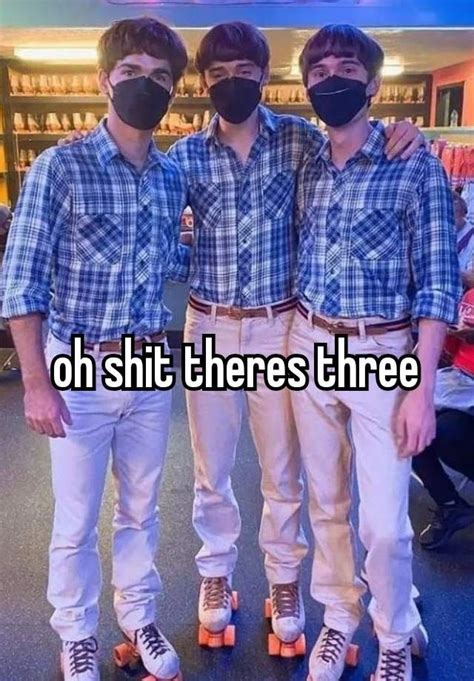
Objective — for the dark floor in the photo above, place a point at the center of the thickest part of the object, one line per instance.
(28, 649)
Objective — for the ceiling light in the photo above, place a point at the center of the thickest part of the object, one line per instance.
(57, 54)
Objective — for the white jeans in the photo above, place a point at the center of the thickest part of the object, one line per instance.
(133, 426)
(323, 419)
(215, 423)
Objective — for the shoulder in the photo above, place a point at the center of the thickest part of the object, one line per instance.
(184, 147)
(299, 127)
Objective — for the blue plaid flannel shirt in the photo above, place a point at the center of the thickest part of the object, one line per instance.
(378, 237)
(93, 240)
(245, 245)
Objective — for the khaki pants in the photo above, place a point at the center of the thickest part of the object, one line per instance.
(215, 423)
(331, 425)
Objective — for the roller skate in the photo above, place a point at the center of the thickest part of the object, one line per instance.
(285, 608)
(419, 642)
(332, 652)
(148, 647)
(79, 661)
(217, 601)
(393, 665)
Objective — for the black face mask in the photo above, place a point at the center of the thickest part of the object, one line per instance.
(140, 102)
(235, 99)
(337, 100)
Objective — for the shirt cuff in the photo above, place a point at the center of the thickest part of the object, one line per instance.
(436, 305)
(21, 305)
(179, 268)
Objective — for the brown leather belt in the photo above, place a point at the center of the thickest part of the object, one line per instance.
(242, 312)
(116, 346)
(351, 330)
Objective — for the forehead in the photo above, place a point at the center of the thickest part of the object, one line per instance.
(144, 61)
(235, 63)
(329, 59)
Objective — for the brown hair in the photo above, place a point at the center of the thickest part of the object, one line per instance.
(342, 40)
(144, 35)
(232, 41)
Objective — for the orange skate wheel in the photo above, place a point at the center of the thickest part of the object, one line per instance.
(203, 636)
(123, 655)
(216, 640)
(352, 656)
(268, 609)
(274, 645)
(235, 600)
(229, 636)
(300, 645)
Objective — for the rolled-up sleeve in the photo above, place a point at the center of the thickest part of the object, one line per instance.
(435, 264)
(179, 261)
(27, 265)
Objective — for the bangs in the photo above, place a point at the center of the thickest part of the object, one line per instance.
(233, 42)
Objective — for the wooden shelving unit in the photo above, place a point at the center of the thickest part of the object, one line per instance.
(18, 144)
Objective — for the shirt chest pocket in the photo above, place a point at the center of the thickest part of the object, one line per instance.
(206, 204)
(279, 195)
(375, 234)
(98, 238)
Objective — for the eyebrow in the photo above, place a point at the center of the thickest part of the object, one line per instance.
(161, 70)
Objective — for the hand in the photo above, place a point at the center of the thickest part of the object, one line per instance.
(73, 136)
(415, 426)
(45, 411)
(404, 139)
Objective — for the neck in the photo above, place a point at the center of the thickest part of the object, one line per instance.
(133, 144)
(347, 140)
(240, 133)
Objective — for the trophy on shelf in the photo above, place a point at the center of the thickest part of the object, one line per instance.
(197, 122)
(18, 123)
(43, 86)
(22, 159)
(185, 128)
(77, 121)
(198, 90)
(88, 84)
(66, 123)
(58, 85)
(181, 91)
(421, 95)
(27, 84)
(292, 96)
(300, 96)
(15, 85)
(90, 121)
(32, 124)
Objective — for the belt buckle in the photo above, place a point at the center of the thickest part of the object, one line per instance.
(334, 327)
(236, 313)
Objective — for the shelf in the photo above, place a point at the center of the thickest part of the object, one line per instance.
(52, 138)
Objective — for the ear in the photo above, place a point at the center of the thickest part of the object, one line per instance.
(266, 76)
(104, 85)
(202, 80)
(374, 86)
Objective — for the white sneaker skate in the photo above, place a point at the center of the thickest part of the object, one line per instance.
(419, 642)
(217, 601)
(153, 650)
(333, 650)
(79, 661)
(393, 665)
(285, 608)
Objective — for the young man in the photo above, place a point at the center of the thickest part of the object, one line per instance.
(241, 175)
(454, 442)
(376, 250)
(98, 223)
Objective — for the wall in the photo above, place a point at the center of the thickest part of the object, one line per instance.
(457, 73)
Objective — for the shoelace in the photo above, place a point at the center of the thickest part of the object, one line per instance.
(81, 655)
(331, 645)
(217, 593)
(153, 640)
(393, 664)
(286, 600)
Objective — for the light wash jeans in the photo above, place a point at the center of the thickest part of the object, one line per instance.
(131, 429)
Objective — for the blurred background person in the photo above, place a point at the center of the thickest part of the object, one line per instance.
(465, 239)
(454, 442)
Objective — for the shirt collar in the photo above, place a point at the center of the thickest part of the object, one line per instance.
(267, 121)
(373, 149)
(106, 148)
